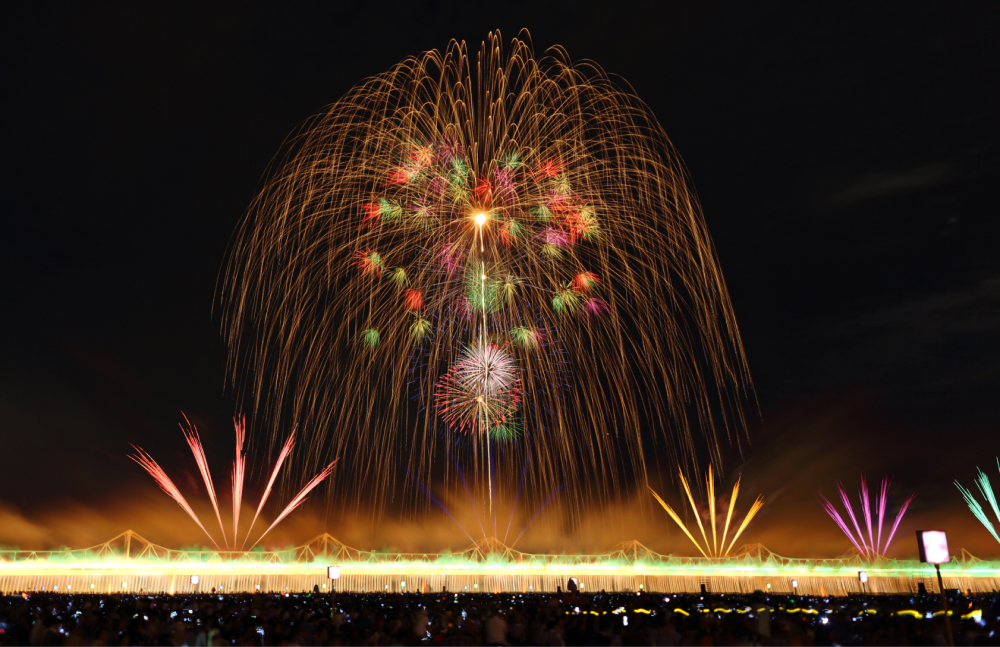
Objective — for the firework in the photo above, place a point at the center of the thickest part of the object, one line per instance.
(718, 548)
(873, 548)
(194, 442)
(481, 392)
(983, 482)
(239, 470)
(484, 201)
(167, 485)
(285, 451)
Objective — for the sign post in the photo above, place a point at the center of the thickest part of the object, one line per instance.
(933, 545)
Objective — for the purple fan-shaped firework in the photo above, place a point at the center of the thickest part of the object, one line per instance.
(873, 548)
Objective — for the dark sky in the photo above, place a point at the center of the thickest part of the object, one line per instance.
(847, 159)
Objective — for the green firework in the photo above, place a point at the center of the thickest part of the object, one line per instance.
(983, 482)
(420, 329)
(370, 337)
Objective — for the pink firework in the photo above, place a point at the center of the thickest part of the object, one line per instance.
(480, 391)
(161, 478)
(194, 442)
(239, 470)
(450, 256)
(594, 307)
(505, 188)
(556, 237)
(873, 548)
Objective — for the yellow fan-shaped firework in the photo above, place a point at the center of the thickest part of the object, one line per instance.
(717, 548)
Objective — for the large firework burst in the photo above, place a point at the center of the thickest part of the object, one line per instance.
(494, 201)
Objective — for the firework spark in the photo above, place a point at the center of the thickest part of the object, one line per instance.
(191, 435)
(718, 548)
(505, 199)
(983, 482)
(873, 548)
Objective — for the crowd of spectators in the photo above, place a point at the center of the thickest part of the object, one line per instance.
(48, 618)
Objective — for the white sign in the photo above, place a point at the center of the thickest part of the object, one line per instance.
(333, 572)
(933, 546)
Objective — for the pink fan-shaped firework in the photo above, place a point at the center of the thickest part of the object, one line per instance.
(873, 548)
(239, 469)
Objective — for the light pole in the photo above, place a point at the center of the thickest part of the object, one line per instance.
(933, 546)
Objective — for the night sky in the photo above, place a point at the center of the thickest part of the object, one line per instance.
(847, 160)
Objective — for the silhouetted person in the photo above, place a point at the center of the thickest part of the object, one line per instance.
(571, 585)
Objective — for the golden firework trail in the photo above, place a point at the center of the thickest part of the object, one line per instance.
(485, 199)
(717, 548)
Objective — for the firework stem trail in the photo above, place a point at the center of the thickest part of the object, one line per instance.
(161, 478)
(732, 504)
(299, 498)
(677, 520)
(194, 442)
(492, 493)
(711, 507)
(850, 511)
(239, 469)
(461, 475)
(694, 508)
(285, 450)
